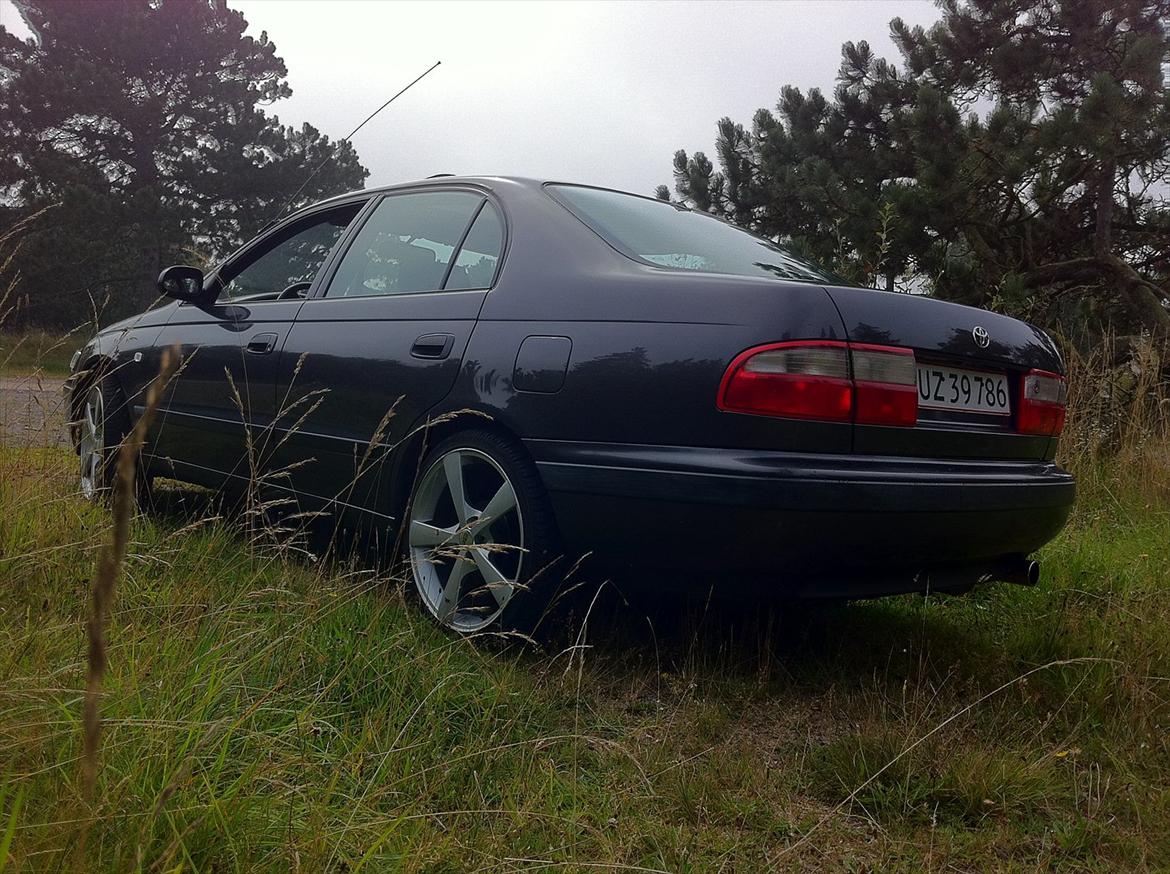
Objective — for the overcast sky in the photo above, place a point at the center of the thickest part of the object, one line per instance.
(591, 92)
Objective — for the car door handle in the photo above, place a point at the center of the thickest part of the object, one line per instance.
(261, 344)
(433, 346)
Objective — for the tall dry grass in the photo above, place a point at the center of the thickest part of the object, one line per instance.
(105, 580)
(1118, 426)
(268, 712)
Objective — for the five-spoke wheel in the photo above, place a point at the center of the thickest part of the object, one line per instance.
(91, 444)
(102, 424)
(478, 526)
(466, 539)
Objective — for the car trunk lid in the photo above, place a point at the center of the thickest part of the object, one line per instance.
(949, 338)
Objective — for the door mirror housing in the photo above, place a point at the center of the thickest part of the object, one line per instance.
(182, 283)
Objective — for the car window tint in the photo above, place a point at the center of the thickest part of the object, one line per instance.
(294, 256)
(406, 244)
(667, 235)
(475, 266)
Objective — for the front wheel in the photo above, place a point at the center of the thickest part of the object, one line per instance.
(481, 535)
(103, 424)
(92, 451)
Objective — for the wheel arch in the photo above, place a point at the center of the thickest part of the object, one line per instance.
(94, 368)
(413, 449)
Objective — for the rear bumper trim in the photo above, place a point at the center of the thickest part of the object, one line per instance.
(797, 481)
(818, 523)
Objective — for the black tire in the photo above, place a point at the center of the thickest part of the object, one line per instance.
(539, 564)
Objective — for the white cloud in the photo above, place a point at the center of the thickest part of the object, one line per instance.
(598, 92)
(592, 92)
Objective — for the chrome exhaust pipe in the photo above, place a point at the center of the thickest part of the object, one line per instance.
(1021, 571)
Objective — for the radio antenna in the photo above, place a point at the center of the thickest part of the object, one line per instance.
(350, 136)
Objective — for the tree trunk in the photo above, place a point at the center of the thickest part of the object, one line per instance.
(147, 199)
(1143, 307)
(1142, 301)
(1103, 232)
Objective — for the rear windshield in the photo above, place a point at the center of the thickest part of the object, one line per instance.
(666, 235)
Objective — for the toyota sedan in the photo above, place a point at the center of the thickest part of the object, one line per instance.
(503, 375)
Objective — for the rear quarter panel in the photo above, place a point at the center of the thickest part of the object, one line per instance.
(649, 346)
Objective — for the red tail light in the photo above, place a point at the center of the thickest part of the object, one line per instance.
(887, 385)
(796, 380)
(1043, 396)
(823, 379)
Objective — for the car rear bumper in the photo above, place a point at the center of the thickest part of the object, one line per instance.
(816, 524)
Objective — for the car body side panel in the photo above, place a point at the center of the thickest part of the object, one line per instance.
(348, 373)
(200, 429)
(634, 382)
(131, 353)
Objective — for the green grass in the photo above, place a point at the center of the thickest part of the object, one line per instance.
(38, 352)
(268, 712)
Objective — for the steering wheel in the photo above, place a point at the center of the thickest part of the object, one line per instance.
(297, 289)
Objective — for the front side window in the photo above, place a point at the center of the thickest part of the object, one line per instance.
(666, 235)
(291, 259)
(406, 245)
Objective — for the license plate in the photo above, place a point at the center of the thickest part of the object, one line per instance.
(950, 388)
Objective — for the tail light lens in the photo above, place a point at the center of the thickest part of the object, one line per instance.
(886, 382)
(826, 380)
(1043, 397)
(796, 380)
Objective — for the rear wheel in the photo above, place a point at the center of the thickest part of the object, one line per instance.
(480, 535)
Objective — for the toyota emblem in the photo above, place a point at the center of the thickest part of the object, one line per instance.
(982, 338)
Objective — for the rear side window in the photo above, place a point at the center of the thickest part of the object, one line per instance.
(406, 245)
(475, 266)
(666, 235)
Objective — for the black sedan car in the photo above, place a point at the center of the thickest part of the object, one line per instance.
(501, 373)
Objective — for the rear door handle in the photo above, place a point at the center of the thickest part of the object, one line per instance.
(261, 344)
(435, 346)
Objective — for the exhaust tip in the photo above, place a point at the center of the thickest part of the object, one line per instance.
(1021, 571)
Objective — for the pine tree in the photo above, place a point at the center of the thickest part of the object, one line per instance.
(1076, 146)
(142, 123)
(1020, 158)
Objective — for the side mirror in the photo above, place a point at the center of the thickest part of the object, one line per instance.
(182, 283)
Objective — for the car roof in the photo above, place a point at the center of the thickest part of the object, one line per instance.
(438, 179)
(496, 184)
(492, 183)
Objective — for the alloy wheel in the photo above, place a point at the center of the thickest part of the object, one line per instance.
(92, 444)
(466, 539)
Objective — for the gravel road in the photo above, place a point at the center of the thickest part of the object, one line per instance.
(32, 411)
